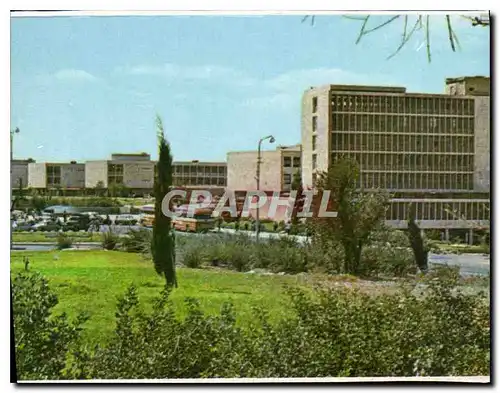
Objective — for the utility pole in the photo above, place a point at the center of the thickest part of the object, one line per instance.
(257, 219)
(12, 132)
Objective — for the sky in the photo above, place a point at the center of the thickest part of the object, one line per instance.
(83, 87)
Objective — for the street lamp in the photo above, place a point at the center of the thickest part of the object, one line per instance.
(257, 220)
(12, 132)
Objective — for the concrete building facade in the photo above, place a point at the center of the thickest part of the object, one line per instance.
(49, 176)
(276, 170)
(19, 173)
(409, 144)
(133, 171)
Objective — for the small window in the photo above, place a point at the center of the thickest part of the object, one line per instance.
(287, 178)
(287, 162)
(314, 142)
(314, 123)
(296, 162)
(314, 104)
(314, 159)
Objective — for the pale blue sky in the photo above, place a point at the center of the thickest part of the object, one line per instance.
(84, 87)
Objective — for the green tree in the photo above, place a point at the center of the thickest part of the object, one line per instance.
(358, 213)
(163, 244)
(99, 188)
(297, 181)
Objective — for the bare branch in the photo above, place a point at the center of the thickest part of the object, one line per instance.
(407, 38)
(382, 24)
(427, 39)
(362, 31)
(450, 33)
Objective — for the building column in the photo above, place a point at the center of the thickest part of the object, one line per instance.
(447, 235)
(471, 236)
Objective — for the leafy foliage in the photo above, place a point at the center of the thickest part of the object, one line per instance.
(42, 339)
(64, 241)
(426, 330)
(358, 213)
(110, 240)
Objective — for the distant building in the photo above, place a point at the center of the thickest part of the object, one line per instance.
(194, 174)
(276, 170)
(19, 173)
(132, 171)
(56, 176)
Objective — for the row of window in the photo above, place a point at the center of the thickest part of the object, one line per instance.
(199, 181)
(410, 162)
(446, 210)
(401, 124)
(343, 141)
(416, 181)
(202, 170)
(401, 104)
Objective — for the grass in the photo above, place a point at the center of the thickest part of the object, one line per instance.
(40, 237)
(91, 281)
(462, 248)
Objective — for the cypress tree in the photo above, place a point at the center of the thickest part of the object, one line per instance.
(163, 244)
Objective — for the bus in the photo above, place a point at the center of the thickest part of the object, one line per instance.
(201, 220)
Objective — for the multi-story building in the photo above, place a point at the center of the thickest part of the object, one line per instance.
(56, 176)
(194, 173)
(432, 149)
(19, 173)
(132, 171)
(276, 169)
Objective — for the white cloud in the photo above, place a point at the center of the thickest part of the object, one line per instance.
(74, 75)
(208, 73)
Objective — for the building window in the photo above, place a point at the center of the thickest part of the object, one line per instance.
(314, 104)
(314, 178)
(287, 162)
(53, 175)
(314, 158)
(296, 162)
(115, 174)
(287, 178)
(314, 123)
(314, 142)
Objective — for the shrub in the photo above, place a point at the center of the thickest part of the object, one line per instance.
(64, 241)
(193, 257)
(138, 240)
(109, 240)
(42, 340)
(328, 333)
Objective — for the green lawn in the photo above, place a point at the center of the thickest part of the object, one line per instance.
(92, 280)
(36, 237)
(462, 248)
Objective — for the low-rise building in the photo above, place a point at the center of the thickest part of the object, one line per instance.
(60, 176)
(19, 173)
(276, 169)
(132, 171)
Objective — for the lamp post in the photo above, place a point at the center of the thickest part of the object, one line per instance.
(12, 132)
(257, 220)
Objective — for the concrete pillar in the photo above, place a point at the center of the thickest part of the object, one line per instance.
(447, 235)
(471, 236)
(422, 233)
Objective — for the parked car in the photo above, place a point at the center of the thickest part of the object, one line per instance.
(47, 226)
(23, 226)
(125, 219)
(77, 223)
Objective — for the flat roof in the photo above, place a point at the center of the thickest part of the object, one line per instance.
(195, 162)
(463, 78)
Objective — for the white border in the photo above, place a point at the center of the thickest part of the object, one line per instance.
(255, 7)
